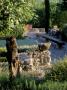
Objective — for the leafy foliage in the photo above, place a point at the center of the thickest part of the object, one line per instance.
(14, 14)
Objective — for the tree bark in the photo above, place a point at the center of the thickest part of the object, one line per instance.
(12, 57)
(47, 15)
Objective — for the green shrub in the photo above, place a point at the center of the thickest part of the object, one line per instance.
(58, 71)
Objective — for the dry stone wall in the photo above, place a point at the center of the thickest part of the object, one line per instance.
(36, 59)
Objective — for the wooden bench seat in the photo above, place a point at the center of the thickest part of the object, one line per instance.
(59, 42)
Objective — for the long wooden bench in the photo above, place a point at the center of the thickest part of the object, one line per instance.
(59, 42)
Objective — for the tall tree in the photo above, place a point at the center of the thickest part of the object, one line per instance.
(47, 15)
(12, 57)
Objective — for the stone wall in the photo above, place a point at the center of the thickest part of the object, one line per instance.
(36, 59)
(42, 58)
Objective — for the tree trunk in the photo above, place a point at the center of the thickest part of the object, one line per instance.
(47, 15)
(12, 57)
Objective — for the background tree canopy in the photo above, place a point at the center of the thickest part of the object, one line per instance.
(14, 14)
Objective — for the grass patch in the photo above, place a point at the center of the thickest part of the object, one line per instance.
(55, 79)
(3, 59)
(3, 49)
(24, 83)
